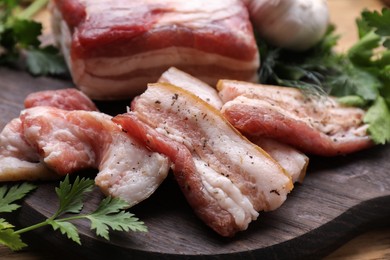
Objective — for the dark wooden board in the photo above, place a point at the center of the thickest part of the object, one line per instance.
(340, 198)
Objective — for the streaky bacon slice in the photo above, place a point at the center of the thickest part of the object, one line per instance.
(70, 141)
(313, 125)
(46, 142)
(292, 160)
(194, 85)
(114, 48)
(67, 99)
(18, 160)
(225, 178)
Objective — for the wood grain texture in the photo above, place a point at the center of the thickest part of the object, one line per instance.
(340, 199)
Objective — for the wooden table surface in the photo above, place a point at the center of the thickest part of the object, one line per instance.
(374, 244)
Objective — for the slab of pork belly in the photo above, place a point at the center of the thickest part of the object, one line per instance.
(292, 160)
(114, 48)
(70, 141)
(313, 125)
(18, 160)
(225, 178)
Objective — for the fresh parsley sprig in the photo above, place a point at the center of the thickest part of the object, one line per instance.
(109, 214)
(20, 45)
(8, 236)
(359, 77)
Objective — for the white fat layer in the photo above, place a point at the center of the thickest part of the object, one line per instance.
(172, 133)
(194, 85)
(131, 172)
(178, 56)
(96, 87)
(228, 196)
(61, 33)
(224, 140)
(292, 160)
(13, 144)
(14, 169)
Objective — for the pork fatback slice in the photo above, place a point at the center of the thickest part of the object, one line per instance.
(314, 125)
(225, 178)
(18, 160)
(114, 48)
(70, 141)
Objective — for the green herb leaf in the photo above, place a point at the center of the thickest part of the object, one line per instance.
(109, 214)
(26, 32)
(20, 46)
(71, 195)
(9, 195)
(378, 119)
(9, 238)
(379, 21)
(46, 61)
(361, 52)
(66, 228)
(4, 224)
(352, 101)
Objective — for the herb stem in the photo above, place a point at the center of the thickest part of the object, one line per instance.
(38, 225)
(71, 218)
(47, 222)
(32, 9)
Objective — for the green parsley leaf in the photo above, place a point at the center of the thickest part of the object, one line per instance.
(109, 214)
(9, 195)
(354, 81)
(45, 61)
(379, 21)
(378, 119)
(20, 46)
(361, 52)
(4, 224)
(66, 228)
(352, 101)
(9, 238)
(71, 195)
(26, 32)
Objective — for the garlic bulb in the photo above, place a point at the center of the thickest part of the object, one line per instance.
(290, 24)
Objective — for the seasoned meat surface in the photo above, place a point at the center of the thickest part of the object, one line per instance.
(225, 178)
(313, 125)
